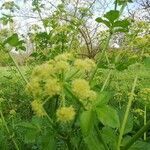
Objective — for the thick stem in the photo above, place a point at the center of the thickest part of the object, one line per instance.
(126, 114)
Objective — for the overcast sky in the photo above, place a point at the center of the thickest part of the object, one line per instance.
(27, 19)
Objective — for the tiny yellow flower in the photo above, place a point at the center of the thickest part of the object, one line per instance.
(12, 112)
(92, 95)
(65, 114)
(43, 71)
(139, 111)
(34, 87)
(61, 66)
(81, 88)
(84, 65)
(64, 57)
(52, 87)
(38, 109)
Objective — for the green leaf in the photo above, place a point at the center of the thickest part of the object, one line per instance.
(112, 15)
(31, 135)
(110, 137)
(48, 142)
(139, 145)
(22, 48)
(86, 122)
(122, 23)
(108, 116)
(12, 40)
(100, 20)
(26, 125)
(103, 98)
(147, 62)
(121, 30)
(121, 2)
(93, 143)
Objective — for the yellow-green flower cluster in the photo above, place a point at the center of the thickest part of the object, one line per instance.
(84, 64)
(12, 112)
(49, 79)
(33, 87)
(145, 96)
(64, 57)
(44, 78)
(52, 87)
(145, 91)
(43, 71)
(81, 88)
(38, 109)
(62, 66)
(65, 114)
(139, 111)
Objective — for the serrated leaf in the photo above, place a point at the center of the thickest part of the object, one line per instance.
(108, 116)
(112, 15)
(121, 23)
(12, 40)
(100, 20)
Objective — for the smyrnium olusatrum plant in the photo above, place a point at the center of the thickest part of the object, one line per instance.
(63, 94)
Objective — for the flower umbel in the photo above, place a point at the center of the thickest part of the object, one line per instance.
(84, 65)
(43, 71)
(65, 114)
(52, 87)
(61, 66)
(38, 109)
(64, 57)
(81, 88)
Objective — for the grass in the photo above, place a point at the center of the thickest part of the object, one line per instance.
(3, 71)
(6, 71)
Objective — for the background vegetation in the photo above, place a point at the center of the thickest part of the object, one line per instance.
(76, 78)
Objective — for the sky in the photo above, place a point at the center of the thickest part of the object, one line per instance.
(22, 23)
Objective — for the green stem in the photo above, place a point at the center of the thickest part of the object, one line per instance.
(105, 48)
(145, 119)
(116, 4)
(50, 120)
(123, 7)
(126, 114)
(137, 136)
(8, 131)
(105, 82)
(18, 68)
(102, 54)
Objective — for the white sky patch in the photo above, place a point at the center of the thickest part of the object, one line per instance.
(25, 17)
